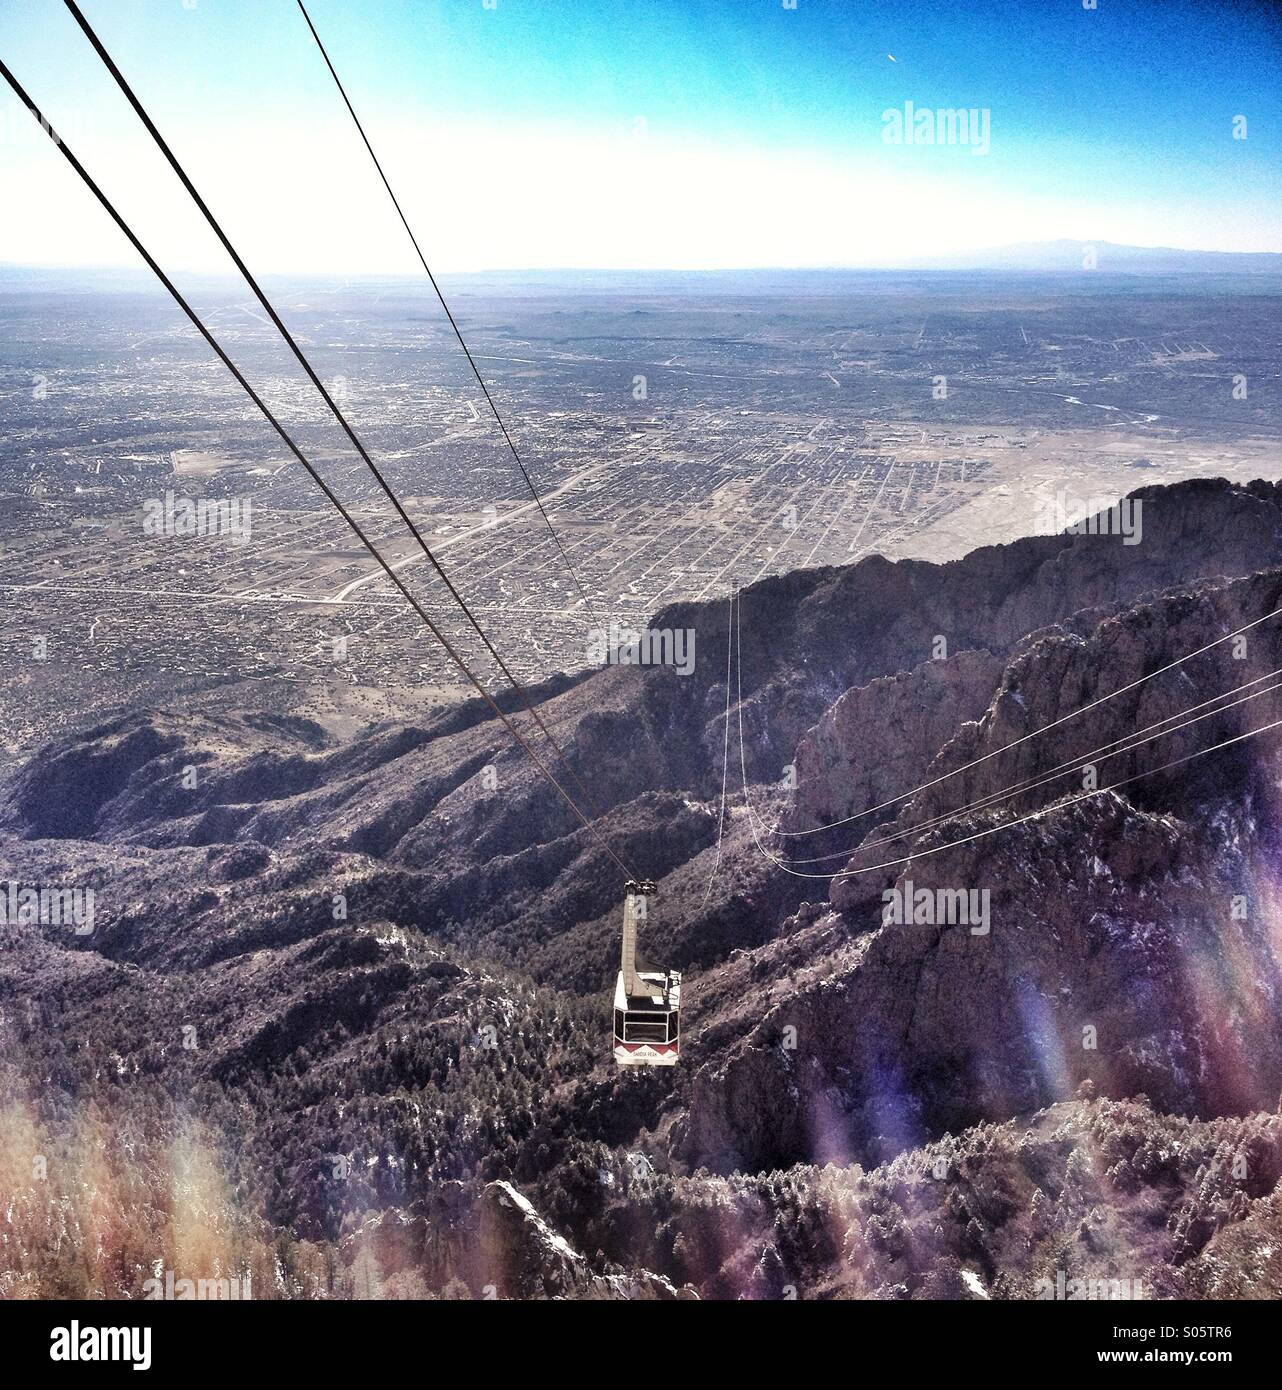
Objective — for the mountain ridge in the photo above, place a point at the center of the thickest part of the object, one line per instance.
(451, 1026)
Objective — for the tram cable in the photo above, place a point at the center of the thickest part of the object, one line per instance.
(1035, 733)
(266, 412)
(725, 759)
(918, 853)
(471, 361)
(1119, 747)
(325, 395)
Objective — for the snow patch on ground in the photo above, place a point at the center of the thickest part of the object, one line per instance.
(974, 1283)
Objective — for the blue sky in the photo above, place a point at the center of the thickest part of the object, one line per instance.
(647, 133)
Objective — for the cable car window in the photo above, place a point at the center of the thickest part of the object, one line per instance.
(637, 1031)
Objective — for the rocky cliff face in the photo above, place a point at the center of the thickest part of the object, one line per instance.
(386, 955)
(1128, 937)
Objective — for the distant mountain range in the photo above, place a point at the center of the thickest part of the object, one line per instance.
(1074, 256)
(1064, 256)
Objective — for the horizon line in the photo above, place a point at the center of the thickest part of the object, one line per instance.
(944, 263)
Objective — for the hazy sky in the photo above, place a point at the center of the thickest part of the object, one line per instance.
(643, 133)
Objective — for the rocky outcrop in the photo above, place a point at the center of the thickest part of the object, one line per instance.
(880, 738)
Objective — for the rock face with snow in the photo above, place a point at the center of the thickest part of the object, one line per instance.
(1128, 937)
(535, 1262)
(394, 976)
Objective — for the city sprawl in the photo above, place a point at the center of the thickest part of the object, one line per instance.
(685, 437)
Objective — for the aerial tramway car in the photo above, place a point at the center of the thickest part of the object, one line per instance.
(647, 1002)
